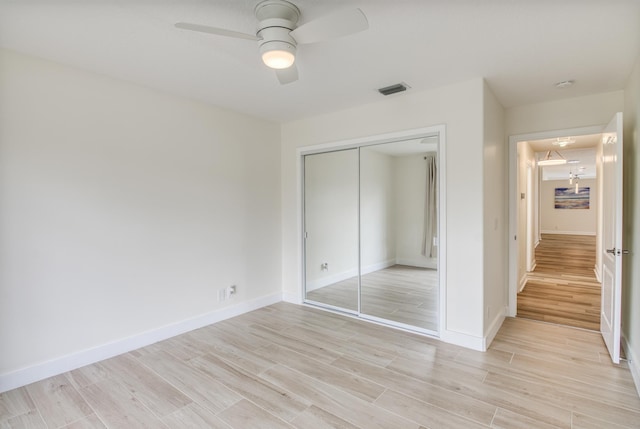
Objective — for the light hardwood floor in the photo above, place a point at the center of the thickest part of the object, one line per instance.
(563, 287)
(289, 366)
(400, 293)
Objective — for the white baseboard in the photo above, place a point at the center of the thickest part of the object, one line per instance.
(292, 298)
(596, 271)
(522, 283)
(463, 340)
(494, 327)
(555, 231)
(430, 263)
(31, 374)
(634, 363)
(378, 266)
(335, 278)
(331, 279)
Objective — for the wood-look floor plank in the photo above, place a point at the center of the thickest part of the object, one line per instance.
(349, 382)
(317, 418)
(153, 391)
(304, 347)
(87, 375)
(449, 400)
(563, 288)
(581, 421)
(197, 385)
(28, 420)
(260, 391)
(289, 366)
(118, 408)
(572, 400)
(505, 419)
(337, 402)
(90, 422)
(528, 378)
(193, 416)
(58, 401)
(246, 415)
(424, 413)
(14, 403)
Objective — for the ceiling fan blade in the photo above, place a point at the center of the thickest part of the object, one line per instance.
(331, 26)
(216, 31)
(287, 75)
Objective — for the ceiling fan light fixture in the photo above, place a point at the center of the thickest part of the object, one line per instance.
(563, 142)
(278, 55)
(552, 161)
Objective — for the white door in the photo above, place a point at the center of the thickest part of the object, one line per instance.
(612, 236)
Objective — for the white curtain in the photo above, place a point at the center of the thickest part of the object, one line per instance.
(429, 247)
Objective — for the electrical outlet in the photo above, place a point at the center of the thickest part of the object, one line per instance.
(222, 295)
(232, 290)
(324, 266)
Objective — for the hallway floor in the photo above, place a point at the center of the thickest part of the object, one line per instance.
(563, 287)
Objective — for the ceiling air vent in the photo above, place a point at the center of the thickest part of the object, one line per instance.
(398, 87)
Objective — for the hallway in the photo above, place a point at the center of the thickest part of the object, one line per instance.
(563, 288)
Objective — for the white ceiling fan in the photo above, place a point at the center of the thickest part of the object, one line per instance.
(278, 36)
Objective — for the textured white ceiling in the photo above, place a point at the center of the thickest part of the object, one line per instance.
(521, 47)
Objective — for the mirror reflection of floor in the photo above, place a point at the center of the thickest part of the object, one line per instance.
(399, 293)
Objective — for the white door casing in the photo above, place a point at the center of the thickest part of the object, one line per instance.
(611, 300)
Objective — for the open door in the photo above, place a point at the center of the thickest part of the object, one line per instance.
(610, 317)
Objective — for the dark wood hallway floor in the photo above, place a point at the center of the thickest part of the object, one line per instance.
(563, 288)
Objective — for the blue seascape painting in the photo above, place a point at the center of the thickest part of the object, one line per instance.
(567, 198)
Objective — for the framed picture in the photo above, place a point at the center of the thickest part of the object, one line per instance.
(568, 198)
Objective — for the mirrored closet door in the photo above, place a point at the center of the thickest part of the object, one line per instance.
(331, 229)
(371, 225)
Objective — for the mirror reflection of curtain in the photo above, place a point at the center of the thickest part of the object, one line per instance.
(429, 247)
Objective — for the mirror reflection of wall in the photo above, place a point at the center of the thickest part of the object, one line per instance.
(331, 226)
(382, 203)
(399, 263)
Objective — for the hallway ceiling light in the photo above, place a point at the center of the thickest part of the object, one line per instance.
(552, 161)
(564, 84)
(563, 142)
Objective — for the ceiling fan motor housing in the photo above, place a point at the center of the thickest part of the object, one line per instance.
(277, 18)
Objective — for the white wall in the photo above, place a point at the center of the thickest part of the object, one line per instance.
(566, 221)
(123, 210)
(631, 263)
(595, 109)
(331, 217)
(410, 189)
(495, 217)
(460, 108)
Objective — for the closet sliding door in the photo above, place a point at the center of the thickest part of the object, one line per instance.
(331, 229)
(371, 232)
(398, 206)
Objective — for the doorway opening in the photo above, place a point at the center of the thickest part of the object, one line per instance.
(557, 220)
(608, 239)
(556, 223)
